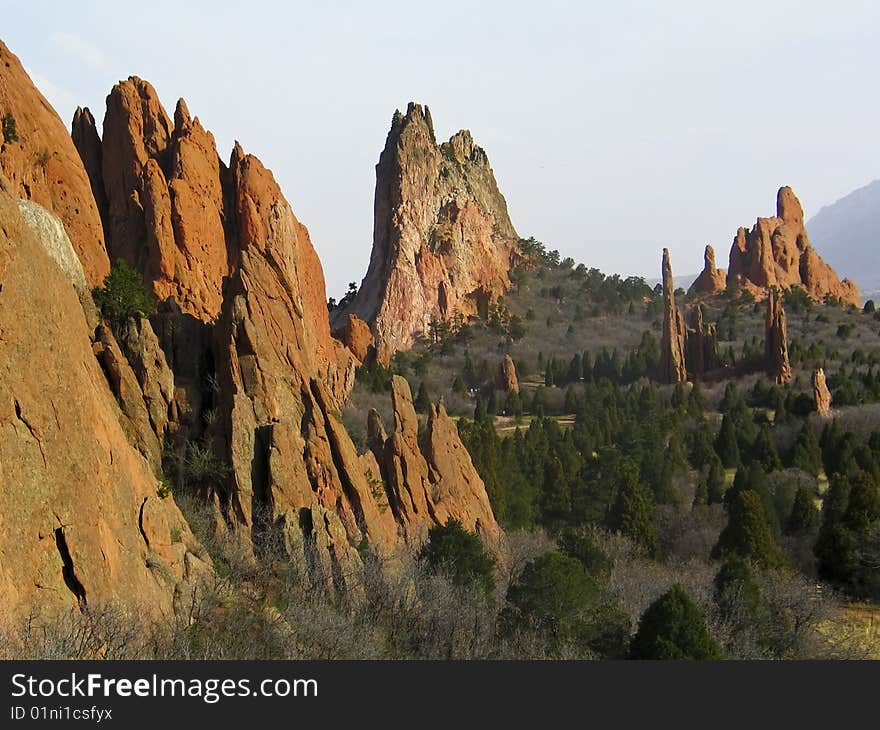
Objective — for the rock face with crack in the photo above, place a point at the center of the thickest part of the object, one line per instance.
(38, 157)
(776, 252)
(443, 243)
(81, 522)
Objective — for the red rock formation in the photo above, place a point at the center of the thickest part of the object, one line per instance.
(776, 339)
(701, 345)
(43, 165)
(442, 238)
(711, 279)
(673, 368)
(84, 133)
(432, 480)
(821, 394)
(81, 523)
(505, 378)
(777, 252)
(294, 467)
(165, 201)
(356, 336)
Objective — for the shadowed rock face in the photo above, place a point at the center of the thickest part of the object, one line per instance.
(81, 523)
(672, 344)
(43, 166)
(776, 339)
(442, 239)
(776, 252)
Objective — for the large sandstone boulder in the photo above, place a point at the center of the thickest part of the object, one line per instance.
(43, 165)
(442, 238)
(776, 252)
(357, 337)
(81, 522)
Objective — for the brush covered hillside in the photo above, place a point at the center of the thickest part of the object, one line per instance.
(731, 485)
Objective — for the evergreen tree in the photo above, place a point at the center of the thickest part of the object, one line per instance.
(747, 533)
(460, 555)
(737, 594)
(673, 627)
(804, 517)
(764, 450)
(807, 455)
(422, 403)
(555, 596)
(631, 513)
(726, 445)
(716, 481)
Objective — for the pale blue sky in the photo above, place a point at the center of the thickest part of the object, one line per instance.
(613, 128)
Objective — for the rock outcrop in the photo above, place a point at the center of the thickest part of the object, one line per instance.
(432, 479)
(776, 339)
(357, 337)
(776, 252)
(821, 394)
(701, 345)
(81, 523)
(166, 212)
(443, 243)
(42, 164)
(673, 368)
(295, 471)
(711, 280)
(84, 133)
(505, 378)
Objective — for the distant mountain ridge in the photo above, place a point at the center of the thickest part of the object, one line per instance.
(848, 233)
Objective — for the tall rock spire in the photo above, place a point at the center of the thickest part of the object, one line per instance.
(442, 238)
(776, 339)
(672, 345)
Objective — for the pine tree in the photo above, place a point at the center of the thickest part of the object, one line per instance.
(631, 513)
(807, 455)
(804, 517)
(423, 401)
(764, 450)
(673, 627)
(726, 444)
(748, 534)
(716, 481)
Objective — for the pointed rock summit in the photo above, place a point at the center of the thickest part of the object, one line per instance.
(42, 165)
(776, 252)
(711, 280)
(442, 239)
(672, 345)
(164, 186)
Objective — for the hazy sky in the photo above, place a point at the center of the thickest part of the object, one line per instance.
(613, 128)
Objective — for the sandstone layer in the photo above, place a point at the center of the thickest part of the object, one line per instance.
(443, 243)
